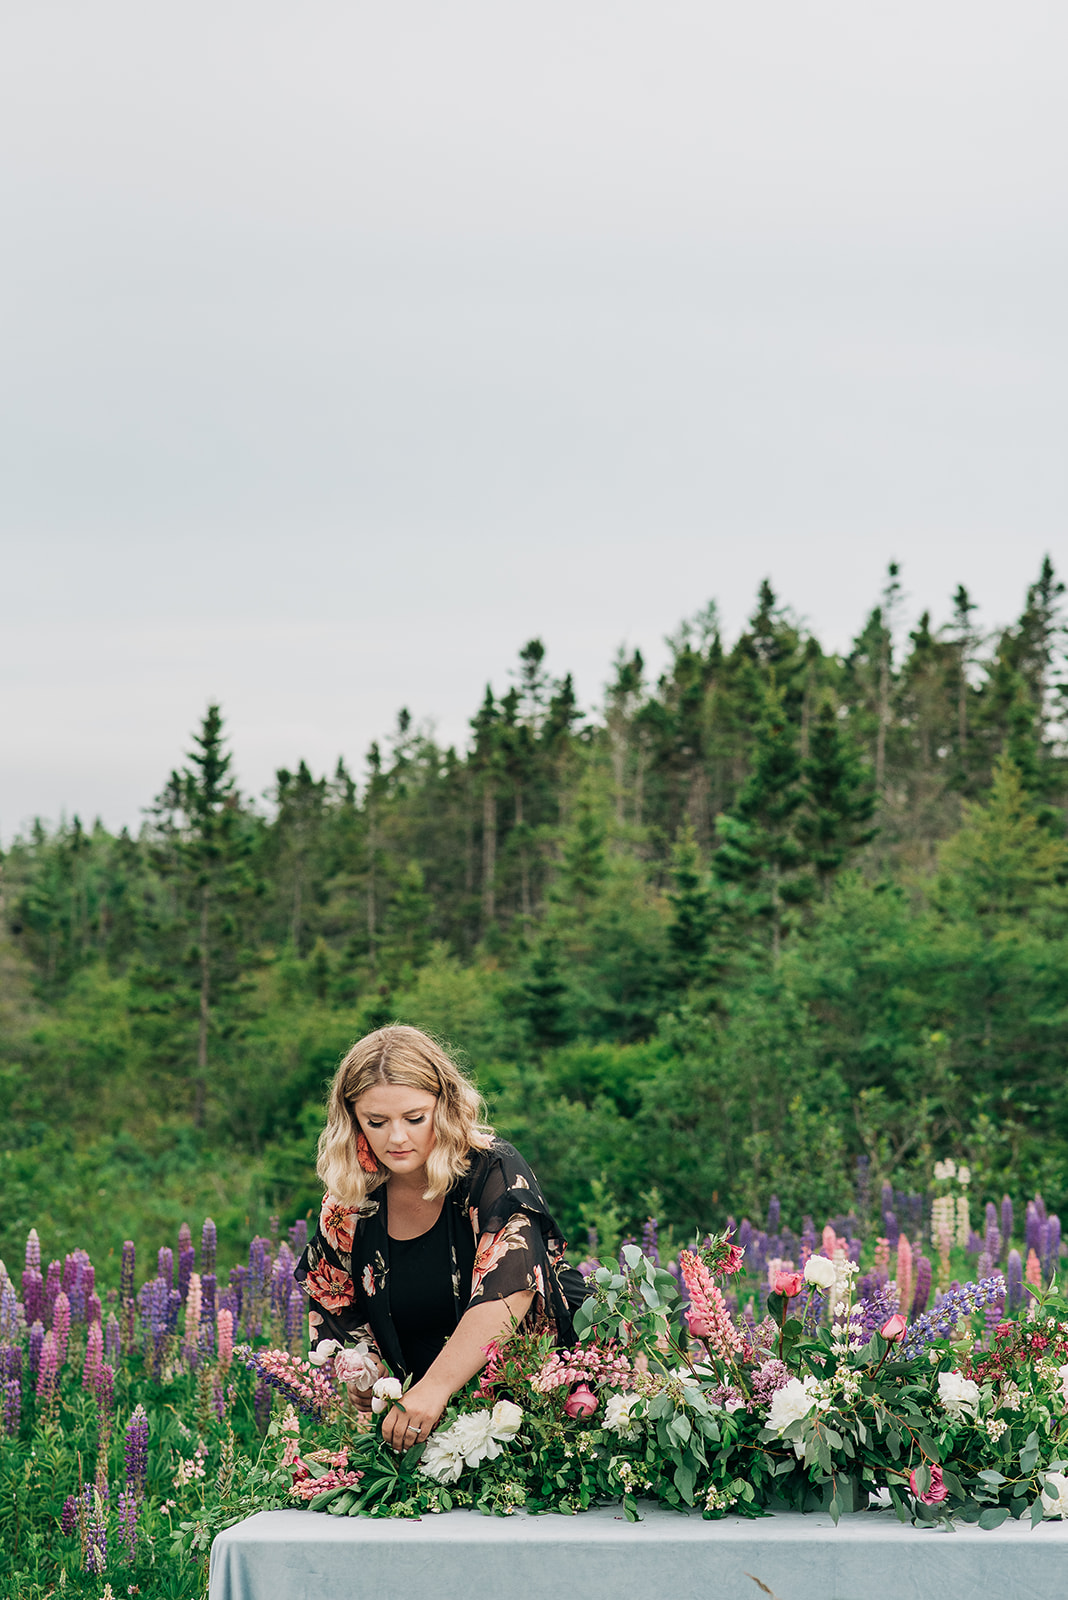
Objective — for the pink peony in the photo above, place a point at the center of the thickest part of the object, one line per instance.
(894, 1329)
(582, 1402)
(935, 1493)
(788, 1284)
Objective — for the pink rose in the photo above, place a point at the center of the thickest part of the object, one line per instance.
(581, 1402)
(894, 1329)
(788, 1284)
(935, 1493)
(358, 1366)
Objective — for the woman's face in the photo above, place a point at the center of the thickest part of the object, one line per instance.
(399, 1125)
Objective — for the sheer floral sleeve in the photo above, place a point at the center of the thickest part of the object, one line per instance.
(519, 1245)
(335, 1299)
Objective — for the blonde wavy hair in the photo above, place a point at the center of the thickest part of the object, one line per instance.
(402, 1055)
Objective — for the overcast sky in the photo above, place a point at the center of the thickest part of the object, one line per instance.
(347, 347)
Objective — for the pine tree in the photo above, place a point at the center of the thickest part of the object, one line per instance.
(691, 900)
(204, 846)
(758, 851)
(838, 799)
(543, 998)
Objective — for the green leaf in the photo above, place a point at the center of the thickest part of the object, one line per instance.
(993, 1516)
(1036, 1512)
(992, 1477)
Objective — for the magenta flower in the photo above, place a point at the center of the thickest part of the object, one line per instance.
(937, 1491)
(581, 1402)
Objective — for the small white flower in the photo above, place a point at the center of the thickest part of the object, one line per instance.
(384, 1391)
(958, 1394)
(1055, 1495)
(820, 1271)
(619, 1414)
(964, 1176)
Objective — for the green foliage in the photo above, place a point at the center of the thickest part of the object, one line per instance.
(775, 910)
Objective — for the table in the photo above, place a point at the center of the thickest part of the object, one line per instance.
(461, 1555)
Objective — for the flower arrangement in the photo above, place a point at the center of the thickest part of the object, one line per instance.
(756, 1369)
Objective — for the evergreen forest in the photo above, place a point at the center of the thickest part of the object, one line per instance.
(776, 912)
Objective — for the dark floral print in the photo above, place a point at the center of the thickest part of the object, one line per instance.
(496, 1206)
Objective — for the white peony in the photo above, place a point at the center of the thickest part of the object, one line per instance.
(794, 1400)
(1062, 1374)
(1055, 1503)
(820, 1271)
(958, 1394)
(384, 1391)
(323, 1351)
(357, 1365)
(442, 1459)
(619, 1414)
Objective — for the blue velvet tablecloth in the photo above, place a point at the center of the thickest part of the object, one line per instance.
(305, 1555)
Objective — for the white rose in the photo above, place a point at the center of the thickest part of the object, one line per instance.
(506, 1419)
(820, 1271)
(385, 1390)
(358, 1366)
(1055, 1495)
(958, 1394)
(323, 1351)
(619, 1414)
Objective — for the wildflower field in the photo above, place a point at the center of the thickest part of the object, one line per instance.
(913, 1350)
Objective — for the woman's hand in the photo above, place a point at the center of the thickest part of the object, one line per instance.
(423, 1405)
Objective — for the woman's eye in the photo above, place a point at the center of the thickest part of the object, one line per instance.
(416, 1120)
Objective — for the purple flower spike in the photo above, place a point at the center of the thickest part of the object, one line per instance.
(136, 1451)
(651, 1239)
(208, 1242)
(35, 1346)
(774, 1214)
(186, 1262)
(53, 1287)
(165, 1265)
(1053, 1246)
(1014, 1280)
(33, 1251)
(960, 1301)
(126, 1279)
(128, 1509)
(298, 1237)
(32, 1296)
(69, 1519)
(923, 1287)
(12, 1392)
(1006, 1222)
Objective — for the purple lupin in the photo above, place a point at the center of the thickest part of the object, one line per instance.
(923, 1287)
(1006, 1222)
(1014, 1280)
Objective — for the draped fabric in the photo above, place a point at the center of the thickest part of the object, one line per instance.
(500, 1238)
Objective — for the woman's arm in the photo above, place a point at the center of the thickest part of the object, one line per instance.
(462, 1357)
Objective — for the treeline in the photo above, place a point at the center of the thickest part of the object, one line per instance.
(778, 909)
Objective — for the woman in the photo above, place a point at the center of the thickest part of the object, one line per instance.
(432, 1229)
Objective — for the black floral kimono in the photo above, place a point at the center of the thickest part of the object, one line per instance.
(495, 1211)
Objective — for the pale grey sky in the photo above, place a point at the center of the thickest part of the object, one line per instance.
(348, 347)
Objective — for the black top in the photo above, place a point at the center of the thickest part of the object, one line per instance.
(500, 1240)
(421, 1299)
